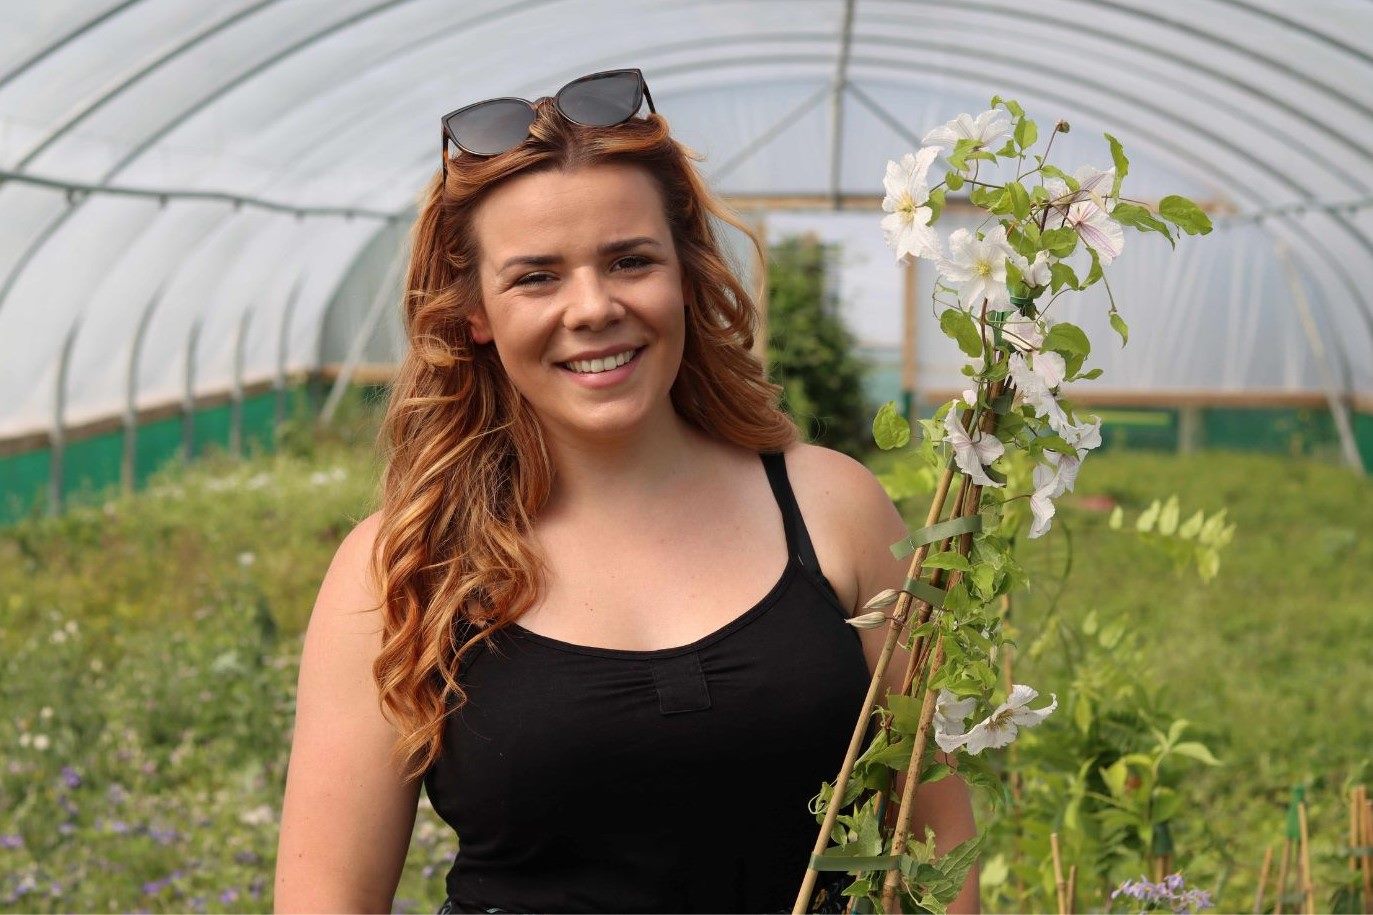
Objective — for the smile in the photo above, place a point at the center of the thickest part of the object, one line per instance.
(604, 364)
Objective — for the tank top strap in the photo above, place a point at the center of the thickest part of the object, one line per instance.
(798, 538)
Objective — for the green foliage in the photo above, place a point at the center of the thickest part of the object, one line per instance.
(811, 352)
(889, 428)
(1196, 541)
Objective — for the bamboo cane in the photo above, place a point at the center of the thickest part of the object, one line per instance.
(1282, 876)
(1072, 889)
(1355, 821)
(1366, 842)
(972, 499)
(1059, 883)
(1263, 879)
(1308, 890)
(894, 629)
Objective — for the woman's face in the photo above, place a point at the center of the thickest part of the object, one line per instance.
(578, 273)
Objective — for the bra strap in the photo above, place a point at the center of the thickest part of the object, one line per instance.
(798, 538)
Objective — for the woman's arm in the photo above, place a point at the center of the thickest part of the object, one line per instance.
(872, 524)
(347, 816)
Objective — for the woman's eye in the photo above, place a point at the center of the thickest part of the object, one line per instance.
(533, 279)
(634, 261)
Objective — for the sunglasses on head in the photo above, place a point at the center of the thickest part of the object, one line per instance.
(496, 125)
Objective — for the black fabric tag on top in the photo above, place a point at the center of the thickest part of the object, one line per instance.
(681, 684)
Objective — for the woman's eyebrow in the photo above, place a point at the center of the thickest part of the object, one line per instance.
(611, 247)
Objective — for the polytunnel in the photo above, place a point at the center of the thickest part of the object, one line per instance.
(203, 206)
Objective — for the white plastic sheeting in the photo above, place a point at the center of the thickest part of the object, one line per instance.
(1253, 106)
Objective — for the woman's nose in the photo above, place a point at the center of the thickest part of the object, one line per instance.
(592, 303)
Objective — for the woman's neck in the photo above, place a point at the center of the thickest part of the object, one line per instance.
(632, 472)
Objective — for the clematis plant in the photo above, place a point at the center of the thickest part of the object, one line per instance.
(996, 284)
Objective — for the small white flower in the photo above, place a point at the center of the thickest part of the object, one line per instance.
(1097, 230)
(1000, 727)
(246, 559)
(71, 627)
(977, 267)
(97, 665)
(58, 637)
(1051, 479)
(951, 720)
(25, 739)
(972, 454)
(1037, 273)
(1036, 384)
(906, 228)
(1023, 333)
(970, 397)
(257, 816)
(867, 620)
(40, 741)
(990, 129)
(45, 712)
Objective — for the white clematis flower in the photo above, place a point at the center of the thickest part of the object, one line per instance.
(1093, 186)
(951, 720)
(971, 453)
(1023, 333)
(1002, 726)
(1036, 384)
(1051, 480)
(976, 267)
(990, 129)
(1036, 273)
(1098, 231)
(906, 228)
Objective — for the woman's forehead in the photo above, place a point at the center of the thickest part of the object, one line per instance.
(583, 208)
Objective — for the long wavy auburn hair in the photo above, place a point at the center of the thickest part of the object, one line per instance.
(466, 469)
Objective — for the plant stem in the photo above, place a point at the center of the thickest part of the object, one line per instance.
(1308, 889)
(1282, 875)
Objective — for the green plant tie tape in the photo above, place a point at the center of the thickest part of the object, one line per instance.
(968, 524)
(923, 590)
(1293, 817)
(996, 319)
(844, 863)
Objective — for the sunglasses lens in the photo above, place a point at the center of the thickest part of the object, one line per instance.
(491, 127)
(600, 101)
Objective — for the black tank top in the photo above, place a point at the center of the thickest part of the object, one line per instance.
(584, 779)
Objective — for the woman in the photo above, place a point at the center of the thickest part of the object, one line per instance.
(567, 620)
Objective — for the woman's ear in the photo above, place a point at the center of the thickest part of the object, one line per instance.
(481, 329)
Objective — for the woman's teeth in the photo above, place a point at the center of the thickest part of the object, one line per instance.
(594, 366)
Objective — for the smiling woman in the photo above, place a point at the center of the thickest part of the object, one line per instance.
(601, 614)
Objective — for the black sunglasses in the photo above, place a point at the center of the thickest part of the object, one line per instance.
(493, 126)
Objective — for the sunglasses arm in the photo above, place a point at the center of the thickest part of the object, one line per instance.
(648, 97)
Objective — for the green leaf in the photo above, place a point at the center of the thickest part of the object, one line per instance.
(1059, 242)
(948, 560)
(936, 201)
(1026, 133)
(1118, 323)
(1089, 376)
(1094, 272)
(960, 326)
(1052, 171)
(1197, 751)
(1056, 443)
(889, 428)
(905, 713)
(1122, 164)
(953, 180)
(1060, 275)
(958, 158)
(1117, 519)
(1145, 524)
(1128, 214)
(1168, 517)
(934, 772)
(1066, 338)
(1020, 199)
(1192, 526)
(1184, 214)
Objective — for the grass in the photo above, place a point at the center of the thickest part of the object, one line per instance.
(151, 643)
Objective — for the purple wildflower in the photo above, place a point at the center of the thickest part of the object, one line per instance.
(153, 887)
(66, 829)
(14, 841)
(116, 794)
(163, 836)
(117, 826)
(228, 896)
(247, 856)
(70, 777)
(55, 890)
(1169, 890)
